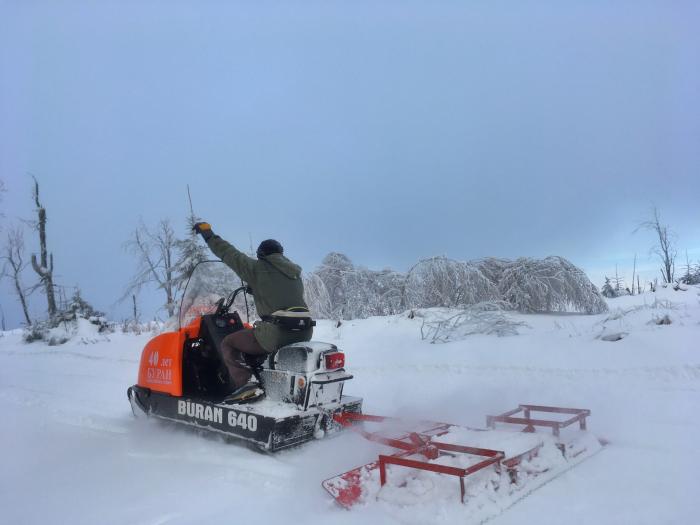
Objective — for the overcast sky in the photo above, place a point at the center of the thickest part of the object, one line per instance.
(389, 131)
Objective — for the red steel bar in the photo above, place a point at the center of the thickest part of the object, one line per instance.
(467, 450)
(556, 410)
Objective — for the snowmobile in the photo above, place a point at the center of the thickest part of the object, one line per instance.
(182, 376)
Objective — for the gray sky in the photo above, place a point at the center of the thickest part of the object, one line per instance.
(386, 130)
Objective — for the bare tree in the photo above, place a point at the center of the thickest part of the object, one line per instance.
(155, 251)
(665, 249)
(43, 267)
(13, 255)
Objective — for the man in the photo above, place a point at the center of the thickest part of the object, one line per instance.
(278, 291)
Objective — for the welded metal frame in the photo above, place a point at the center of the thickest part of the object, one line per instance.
(579, 415)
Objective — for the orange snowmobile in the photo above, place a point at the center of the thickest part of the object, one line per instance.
(182, 377)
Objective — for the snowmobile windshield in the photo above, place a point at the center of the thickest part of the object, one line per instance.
(209, 282)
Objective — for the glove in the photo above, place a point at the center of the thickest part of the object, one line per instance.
(204, 229)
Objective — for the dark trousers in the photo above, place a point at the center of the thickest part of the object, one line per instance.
(233, 346)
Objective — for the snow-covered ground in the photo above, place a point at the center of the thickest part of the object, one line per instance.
(72, 452)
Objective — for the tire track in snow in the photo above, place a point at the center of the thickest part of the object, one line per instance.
(673, 374)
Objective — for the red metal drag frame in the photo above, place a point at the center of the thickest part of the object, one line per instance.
(347, 489)
(579, 415)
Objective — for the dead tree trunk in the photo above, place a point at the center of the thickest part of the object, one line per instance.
(44, 268)
(136, 312)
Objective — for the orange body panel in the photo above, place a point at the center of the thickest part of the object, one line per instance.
(161, 360)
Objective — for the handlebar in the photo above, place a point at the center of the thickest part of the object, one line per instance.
(224, 305)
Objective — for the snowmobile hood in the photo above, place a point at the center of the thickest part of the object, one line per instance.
(284, 265)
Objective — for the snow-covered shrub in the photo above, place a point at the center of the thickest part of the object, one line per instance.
(483, 318)
(552, 284)
(129, 326)
(37, 331)
(78, 307)
(66, 323)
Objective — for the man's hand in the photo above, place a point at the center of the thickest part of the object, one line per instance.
(204, 229)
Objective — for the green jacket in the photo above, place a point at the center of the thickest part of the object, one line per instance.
(277, 285)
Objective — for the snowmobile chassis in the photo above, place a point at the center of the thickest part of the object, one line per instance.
(248, 422)
(347, 488)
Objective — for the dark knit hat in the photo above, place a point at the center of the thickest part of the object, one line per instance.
(269, 246)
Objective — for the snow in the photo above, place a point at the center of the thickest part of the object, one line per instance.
(73, 453)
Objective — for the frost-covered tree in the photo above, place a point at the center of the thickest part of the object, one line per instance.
(190, 251)
(552, 284)
(317, 297)
(388, 290)
(77, 306)
(691, 275)
(440, 281)
(338, 276)
(618, 283)
(340, 290)
(692, 272)
(607, 290)
(155, 252)
(337, 289)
